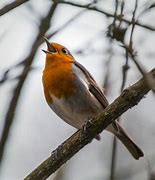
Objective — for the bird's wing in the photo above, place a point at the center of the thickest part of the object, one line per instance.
(115, 127)
(92, 85)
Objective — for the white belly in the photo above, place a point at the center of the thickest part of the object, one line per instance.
(76, 110)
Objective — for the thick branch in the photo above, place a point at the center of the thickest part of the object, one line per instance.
(129, 98)
(11, 6)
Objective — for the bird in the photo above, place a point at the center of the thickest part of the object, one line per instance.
(74, 95)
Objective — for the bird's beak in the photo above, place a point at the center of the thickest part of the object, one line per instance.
(50, 48)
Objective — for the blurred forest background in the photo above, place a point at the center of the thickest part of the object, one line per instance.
(114, 40)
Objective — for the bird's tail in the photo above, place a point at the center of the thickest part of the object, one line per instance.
(135, 151)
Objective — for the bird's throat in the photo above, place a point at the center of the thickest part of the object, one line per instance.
(59, 81)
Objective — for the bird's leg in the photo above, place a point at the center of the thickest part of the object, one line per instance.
(86, 124)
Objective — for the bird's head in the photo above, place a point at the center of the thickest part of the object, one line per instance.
(57, 53)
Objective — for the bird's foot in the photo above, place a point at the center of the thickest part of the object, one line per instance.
(86, 124)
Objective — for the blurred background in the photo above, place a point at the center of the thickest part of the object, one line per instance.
(114, 40)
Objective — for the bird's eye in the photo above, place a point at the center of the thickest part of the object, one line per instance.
(65, 51)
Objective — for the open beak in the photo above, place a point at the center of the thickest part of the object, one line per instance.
(50, 48)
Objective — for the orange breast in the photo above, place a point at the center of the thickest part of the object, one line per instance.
(59, 81)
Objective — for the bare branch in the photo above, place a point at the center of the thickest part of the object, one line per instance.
(148, 27)
(130, 49)
(11, 6)
(129, 98)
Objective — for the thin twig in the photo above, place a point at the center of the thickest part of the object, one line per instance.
(129, 98)
(11, 6)
(129, 49)
(125, 68)
(148, 27)
(5, 75)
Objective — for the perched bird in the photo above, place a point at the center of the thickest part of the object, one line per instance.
(73, 94)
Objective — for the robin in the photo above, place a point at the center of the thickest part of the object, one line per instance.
(73, 94)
